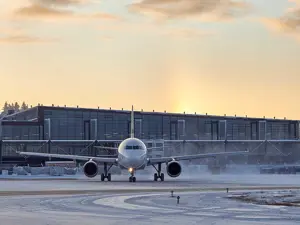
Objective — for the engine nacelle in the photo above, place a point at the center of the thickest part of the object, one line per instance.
(174, 169)
(90, 169)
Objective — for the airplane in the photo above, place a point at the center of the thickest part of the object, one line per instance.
(132, 155)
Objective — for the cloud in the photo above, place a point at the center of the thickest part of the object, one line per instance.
(106, 38)
(39, 11)
(288, 24)
(161, 30)
(55, 10)
(106, 16)
(284, 25)
(188, 33)
(211, 10)
(23, 39)
(62, 2)
(18, 36)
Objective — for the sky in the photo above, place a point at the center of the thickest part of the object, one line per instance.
(233, 57)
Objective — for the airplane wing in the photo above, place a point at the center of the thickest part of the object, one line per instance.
(71, 157)
(115, 148)
(153, 161)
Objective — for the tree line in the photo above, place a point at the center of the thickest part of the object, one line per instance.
(16, 107)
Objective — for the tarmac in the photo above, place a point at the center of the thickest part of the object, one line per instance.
(203, 199)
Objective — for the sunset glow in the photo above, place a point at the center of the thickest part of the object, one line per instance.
(232, 57)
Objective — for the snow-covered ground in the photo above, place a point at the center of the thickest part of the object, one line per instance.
(206, 181)
(141, 209)
(284, 197)
(192, 177)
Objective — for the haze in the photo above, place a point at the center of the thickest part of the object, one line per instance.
(205, 56)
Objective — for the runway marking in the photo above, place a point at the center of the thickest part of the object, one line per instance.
(243, 210)
(210, 208)
(87, 214)
(257, 217)
(202, 214)
(141, 189)
(119, 202)
(282, 207)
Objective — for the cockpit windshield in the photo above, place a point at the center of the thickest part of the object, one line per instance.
(134, 147)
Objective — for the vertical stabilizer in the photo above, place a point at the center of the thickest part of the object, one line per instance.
(132, 123)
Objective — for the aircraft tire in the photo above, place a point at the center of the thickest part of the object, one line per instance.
(109, 177)
(155, 177)
(162, 176)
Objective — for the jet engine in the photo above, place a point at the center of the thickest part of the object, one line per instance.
(90, 169)
(174, 169)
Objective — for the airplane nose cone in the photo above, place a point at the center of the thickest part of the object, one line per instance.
(133, 159)
(136, 162)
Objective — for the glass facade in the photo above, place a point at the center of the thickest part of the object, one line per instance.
(22, 126)
(22, 132)
(90, 124)
(60, 123)
(29, 114)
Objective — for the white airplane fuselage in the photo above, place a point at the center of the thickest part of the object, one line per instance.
(132, 154)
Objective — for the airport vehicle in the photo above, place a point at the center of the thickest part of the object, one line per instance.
(132, 155)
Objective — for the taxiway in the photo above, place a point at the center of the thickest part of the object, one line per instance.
(204, 200)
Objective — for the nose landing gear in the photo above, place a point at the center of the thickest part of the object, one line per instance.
(132, 177)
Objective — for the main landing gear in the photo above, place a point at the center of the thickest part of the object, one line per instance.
(106, 174)
(159, 174)
(132, 177)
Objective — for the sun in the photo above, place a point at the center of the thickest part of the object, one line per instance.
(184, 107)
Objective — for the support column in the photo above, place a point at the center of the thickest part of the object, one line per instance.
(48, 121)
(94, 152)
(262, 130)
(95, 128)
(49, 147)
(222, 130)
(0, 129)
(266, 159)
(297, 127)
(1, 159)
(1, 155)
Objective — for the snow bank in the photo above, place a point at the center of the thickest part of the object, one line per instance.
(276, 198)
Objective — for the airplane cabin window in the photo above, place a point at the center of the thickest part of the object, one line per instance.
(135, 147)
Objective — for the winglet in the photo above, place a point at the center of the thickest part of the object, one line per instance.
(132, 123)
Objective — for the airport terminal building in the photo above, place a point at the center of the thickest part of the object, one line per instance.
(66, 130)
